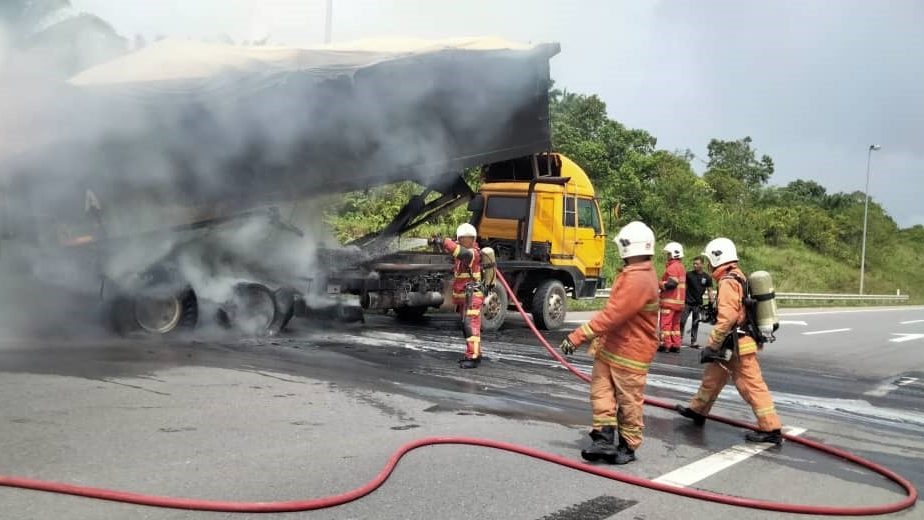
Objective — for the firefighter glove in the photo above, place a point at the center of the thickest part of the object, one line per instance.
(567, 347)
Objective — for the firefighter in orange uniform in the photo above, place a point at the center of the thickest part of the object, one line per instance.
(467, 289)
(673, 298)
(628, 327)
(728, 334)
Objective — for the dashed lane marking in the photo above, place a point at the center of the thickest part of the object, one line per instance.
(909, 322)
(824, 331)
(706, 467)
(905, 337)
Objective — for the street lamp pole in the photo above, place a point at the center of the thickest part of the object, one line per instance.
(869, 155)
(328, 21)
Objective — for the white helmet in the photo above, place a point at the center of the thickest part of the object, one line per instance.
(721, 251)
(675, 250)
(635, 239)
(466, 230)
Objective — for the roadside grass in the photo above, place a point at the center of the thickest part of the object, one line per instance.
(800, 269)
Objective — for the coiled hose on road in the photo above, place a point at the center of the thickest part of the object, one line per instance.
(382, 476)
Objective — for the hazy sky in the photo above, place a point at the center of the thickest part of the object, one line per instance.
(813, 82)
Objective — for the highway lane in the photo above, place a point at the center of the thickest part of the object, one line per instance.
(318, 410)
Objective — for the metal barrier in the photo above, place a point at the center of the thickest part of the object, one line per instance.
(605, 293)
(845, 297)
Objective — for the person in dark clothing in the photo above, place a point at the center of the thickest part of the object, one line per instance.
(698, 283)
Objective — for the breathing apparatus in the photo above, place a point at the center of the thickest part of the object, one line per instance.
(759, 301)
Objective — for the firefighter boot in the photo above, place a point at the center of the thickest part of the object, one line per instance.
(624, 454)
(602, 446)
(469, 362)
(773, 437)
(698, 418)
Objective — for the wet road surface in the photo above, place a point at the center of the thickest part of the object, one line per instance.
(319, 410)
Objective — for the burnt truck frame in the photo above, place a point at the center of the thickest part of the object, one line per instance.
(440, 108)
(411, 282)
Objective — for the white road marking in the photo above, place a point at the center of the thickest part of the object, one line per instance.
(905, 337)
(912, 321)
(850, 311)
(705, 468)
(881, 390)
(890, 386)
(824, 331)
(793, 322)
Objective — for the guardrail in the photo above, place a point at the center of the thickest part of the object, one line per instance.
(845, 297)
(605, 293)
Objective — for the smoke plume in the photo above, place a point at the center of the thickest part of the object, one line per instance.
(107, 171)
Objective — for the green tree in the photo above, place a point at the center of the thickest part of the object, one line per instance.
(806, 191)
(676, 202)
(734, 172)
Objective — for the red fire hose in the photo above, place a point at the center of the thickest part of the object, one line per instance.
(325, 502)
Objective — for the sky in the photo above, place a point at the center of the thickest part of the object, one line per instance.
(814, 83)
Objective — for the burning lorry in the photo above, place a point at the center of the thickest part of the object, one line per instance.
(181, 182)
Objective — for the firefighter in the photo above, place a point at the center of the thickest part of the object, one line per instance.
(673, 296)
(627, 331)
(742, 365)
(467, 289)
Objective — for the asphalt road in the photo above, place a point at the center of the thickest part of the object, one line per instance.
(319, 411)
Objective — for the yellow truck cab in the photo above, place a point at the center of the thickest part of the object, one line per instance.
(540, 215)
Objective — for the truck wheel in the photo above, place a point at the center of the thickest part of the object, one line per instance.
(494, 309)
(155, 314)
(411, 314)
(251, 310)
(550, 305)
(284, 299)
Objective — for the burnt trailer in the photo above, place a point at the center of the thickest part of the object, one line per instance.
(156, 150)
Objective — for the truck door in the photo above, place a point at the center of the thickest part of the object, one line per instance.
(569, 226)
(589, 238)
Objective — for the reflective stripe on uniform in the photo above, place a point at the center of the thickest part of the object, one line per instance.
(458, 295)
(613, 359)
(746, 345)
(650, 307)
(604, 420)
(476, 276)
(631, 430)
(765, 411)
(671, 300)
(472, 312)
(588, 332)
(717, 335)
(473, 339)
(456, 251)
(703, 397)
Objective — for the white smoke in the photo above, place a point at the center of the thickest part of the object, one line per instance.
(134, 167)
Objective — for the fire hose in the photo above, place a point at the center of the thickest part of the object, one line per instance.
(382, 476)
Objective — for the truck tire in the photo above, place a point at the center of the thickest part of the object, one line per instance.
(494, 308)
(251, 309)
(550, 305)
(160, 315)
(410, 314)
(284, 298)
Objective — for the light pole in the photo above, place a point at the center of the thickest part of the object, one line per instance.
(869, 155)
(328, 22)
